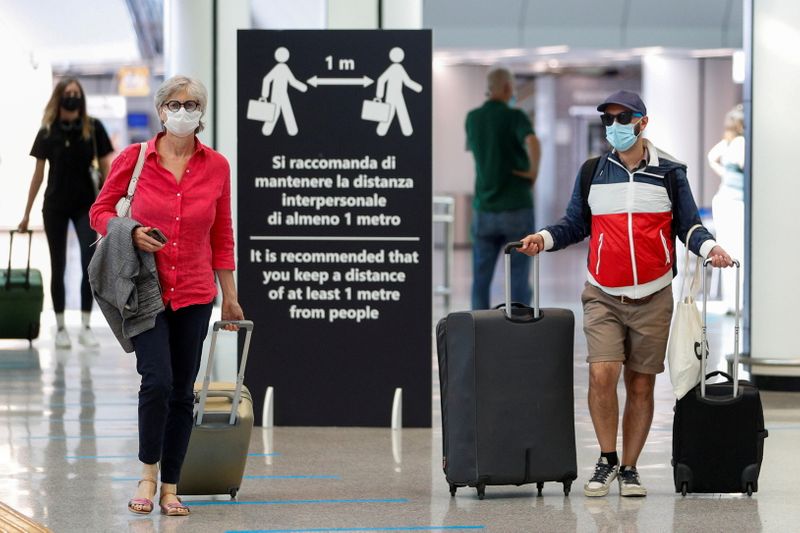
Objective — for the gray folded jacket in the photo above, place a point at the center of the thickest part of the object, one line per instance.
(124, 282)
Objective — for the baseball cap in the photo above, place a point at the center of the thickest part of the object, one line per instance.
(627, 99)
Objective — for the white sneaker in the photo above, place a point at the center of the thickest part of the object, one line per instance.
(629, 482)
(62, 339)
(86, 338)
(604, 475)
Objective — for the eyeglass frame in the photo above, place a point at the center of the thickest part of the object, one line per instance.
(623, 117)
(181, 105)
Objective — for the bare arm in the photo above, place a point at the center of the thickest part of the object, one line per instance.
(36, 184)
(231, 310)
(105, 165)
(534, 156)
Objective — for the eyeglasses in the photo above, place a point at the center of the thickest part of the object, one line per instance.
(188, 105)
(623, 118)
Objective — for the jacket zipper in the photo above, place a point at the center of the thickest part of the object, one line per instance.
(664, 243)
(599, 250)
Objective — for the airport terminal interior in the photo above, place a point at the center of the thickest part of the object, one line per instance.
(68, 416)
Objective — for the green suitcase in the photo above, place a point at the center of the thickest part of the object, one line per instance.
(21, 298)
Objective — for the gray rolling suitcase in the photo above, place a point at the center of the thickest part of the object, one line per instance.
(217, 453)
(508, 413)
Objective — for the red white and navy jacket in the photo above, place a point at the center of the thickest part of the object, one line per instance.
(632, 247)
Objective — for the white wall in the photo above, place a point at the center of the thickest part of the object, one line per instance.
(775, 283)
(456, 90)
(671, 92)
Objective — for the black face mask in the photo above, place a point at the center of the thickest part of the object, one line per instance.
(71, 103)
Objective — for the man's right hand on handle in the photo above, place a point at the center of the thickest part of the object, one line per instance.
(532, 244)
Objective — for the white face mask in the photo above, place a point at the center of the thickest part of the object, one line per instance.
(182, 123)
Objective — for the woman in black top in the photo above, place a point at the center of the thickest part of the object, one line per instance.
(77, 147)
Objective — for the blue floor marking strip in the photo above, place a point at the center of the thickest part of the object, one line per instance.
(399, 528)
(135, 456)
(82, 437)
(290, 502)
(246, 477)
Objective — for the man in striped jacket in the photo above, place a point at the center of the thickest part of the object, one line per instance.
(632, 203)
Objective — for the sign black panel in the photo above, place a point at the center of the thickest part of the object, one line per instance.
(334, 203)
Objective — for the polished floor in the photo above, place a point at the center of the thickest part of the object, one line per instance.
(68, 455)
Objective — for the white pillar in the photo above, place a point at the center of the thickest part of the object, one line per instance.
(671, 92)
(401, 14)
(188, 46)
(352, 14)
(774, 279)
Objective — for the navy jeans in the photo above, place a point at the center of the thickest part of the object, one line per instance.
(490, 232)
(168, 358)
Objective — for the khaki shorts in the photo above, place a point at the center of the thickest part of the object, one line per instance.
(632, 333)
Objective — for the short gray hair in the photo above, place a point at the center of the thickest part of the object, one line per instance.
(193, 87)
(497, 78)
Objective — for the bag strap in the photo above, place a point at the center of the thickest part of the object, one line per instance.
(693, 286)
(587, 172)
(95, 159)
(137, 171)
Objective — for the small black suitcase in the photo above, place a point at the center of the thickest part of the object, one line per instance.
(508, 413)
(718, 431)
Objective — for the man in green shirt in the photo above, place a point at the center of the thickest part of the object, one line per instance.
(506, 153)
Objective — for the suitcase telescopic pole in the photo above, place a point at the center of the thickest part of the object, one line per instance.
(507, 282)
(704, 338)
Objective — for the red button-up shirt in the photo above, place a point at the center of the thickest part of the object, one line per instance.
(194, 215)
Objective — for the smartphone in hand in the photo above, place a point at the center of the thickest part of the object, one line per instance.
(157, 235)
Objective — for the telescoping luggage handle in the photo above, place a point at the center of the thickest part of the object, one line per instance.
(704, 341)
(508, 250)
(10, 249)
(247, 325)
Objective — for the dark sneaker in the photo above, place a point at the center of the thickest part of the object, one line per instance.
(629, 483)
(604, 475)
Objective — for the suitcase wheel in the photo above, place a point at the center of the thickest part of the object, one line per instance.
(481, 488)
(539, 487)
(749, 489)
(567, 487)
(233, 493)
(684, 488)
(453, 490)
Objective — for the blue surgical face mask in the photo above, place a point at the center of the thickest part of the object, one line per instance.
(621, 136)
(512, 101)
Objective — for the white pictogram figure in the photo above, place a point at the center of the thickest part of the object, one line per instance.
(391, 84)
(280, 78)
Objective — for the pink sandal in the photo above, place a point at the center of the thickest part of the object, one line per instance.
(173, 508)
(145, 504)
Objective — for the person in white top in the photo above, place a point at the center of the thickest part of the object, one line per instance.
(727, 160)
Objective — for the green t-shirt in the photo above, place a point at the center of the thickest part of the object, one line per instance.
(496, 136)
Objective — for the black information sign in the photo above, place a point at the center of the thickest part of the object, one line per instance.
(334, 227)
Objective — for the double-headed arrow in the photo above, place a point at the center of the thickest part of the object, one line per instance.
(364, 81)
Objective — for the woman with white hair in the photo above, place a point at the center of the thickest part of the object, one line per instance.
(727, 206)
(184, 193)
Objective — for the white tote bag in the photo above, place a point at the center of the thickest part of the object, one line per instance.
(685, 336)
(123, 206)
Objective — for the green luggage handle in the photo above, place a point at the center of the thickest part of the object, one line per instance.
(10, 248)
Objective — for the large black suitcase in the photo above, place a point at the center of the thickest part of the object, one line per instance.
(718, 431)
(508, 413)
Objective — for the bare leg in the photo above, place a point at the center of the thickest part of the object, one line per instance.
(638, 414)
(147, 487)
(603, 404)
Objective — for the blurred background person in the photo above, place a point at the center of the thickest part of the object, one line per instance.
(78, 151)
(506, 153)
(727, 160)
